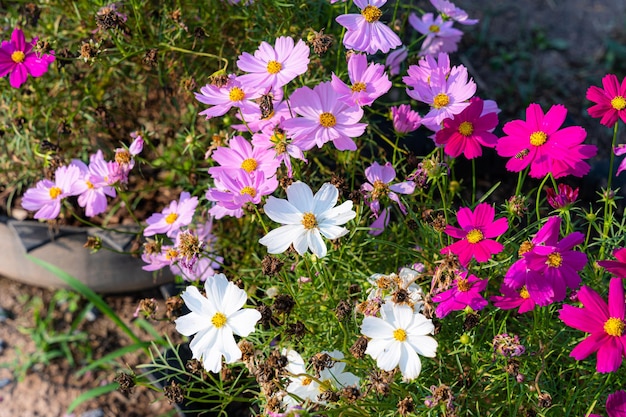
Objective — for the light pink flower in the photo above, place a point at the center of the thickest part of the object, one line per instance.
(18, 59)
(172, 218)
(273, 67)
(404, 119)
(47, 195)
(380, 187)
(240, 154)
(449, 9)
(283, 147)
(233, 94)
(420, 74)
(324, 119)
(236, 188)
(364, 31)
(440, 35)
(395, 59)
(368, 82)
(95, 184)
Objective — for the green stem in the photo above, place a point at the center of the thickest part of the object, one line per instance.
(538, 199)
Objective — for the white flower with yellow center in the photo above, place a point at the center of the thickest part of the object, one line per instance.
(306, 218)
(398, 337)
(213, 319)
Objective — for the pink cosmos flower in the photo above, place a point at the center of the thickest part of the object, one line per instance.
(440, 35)
(449, 9)
(380, 188)
(615, 405)
(364, 31)
(563, 198)
(617, 267)
(465, 291)
(233, 94)
(283, 147)
(620, 150)
(172, 218)
(447, 94)
(47, 195)
(476, 233)
(18, 59)
(256, 121)
(420, 74)
(324, 118)
(236, 188)
(404, 119)
(124, 161)
(610, 101)
(513, 298)
(368, 82)
(240, 154)
(538, 142)
(604, 323)
(166, 255)
(395, 59)
(468, 131)
(95, 184)
(274, 67)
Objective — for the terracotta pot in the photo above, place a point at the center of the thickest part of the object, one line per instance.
(104, 271)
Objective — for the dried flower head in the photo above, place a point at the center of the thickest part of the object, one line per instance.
(343, 310)
(108, 17)
(358, 348)
(147, 307)
(284, 303)
(271, 265)
(321, 361)
(507, 346)
(406, 406)
(173, 307)
(297, 330)
(321, 42)
(544, 400)
(94, 243)
(350, 393)
(379, 381)
(126, 382)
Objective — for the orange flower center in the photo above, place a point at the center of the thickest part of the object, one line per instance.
(273, 67)
(309, 221)
(441, 100)
(55, 192)
(524, 293)
(555, 260)
(327, 120)
(525, 247)
(474, 236)
(248, 190)
(618, 103)
(371, 14)
(18, 57)
(433, 28)
(614, 327)
(538, 138)
(466, 128)
(463, 285)
(358, 87)
(236, 94)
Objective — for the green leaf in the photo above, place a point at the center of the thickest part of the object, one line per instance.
(92, 393)
(113, 355)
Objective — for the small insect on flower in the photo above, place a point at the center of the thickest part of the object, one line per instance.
(522, 154)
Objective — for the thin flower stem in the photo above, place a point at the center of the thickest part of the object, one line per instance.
(608, 206)
(538, 199)
(473, 181)
(187, 51)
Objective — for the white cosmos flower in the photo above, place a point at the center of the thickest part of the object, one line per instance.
(307, 388)
(306, 218)
(214, 319)
(399, 337)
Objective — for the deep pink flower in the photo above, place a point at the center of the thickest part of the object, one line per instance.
(615, 405)
(172, 218)
(468, 131)
(18, 59)
(240, 154)
(404, 119)
(617, 267)
(476, 233)
(364, 32)
(449, 9)
(224, 98)
(380, 188)
(538, 142)
(47, 195)
(440, 35)
(610, 101)
(565, 197)
(273, 67)
(465, 292)
(368, 82)
(324, 119)
(605, 323)
(513, 298)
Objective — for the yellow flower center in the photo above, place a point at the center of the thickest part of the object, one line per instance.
(55, 192)
(525, 247)
(309, 221)
(236, 94)
(614, 327)
(273, 67)
(441, 100)
(524, 293)
(433, 28)
(371, 14)
(18, 57)
(358, 87)
(219, 320)
(171, 254)
(280, 147)
(306, 381)
(399, 335)
(248, 190)
(463, 285)
(171, 218)
(474, 236)
(249, 165)
(89, 185)
(123, 157)
(555, 260)
(327, 120)
(618, 103)
(380, 190)
(466, 128)
(538, 138)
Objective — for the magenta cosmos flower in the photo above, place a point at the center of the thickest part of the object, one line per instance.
(440, 35)
(324, 119)
(538, 142)
(273, 67)
(513, 298)
(465, 292)
(561, 198)
(468, 131)
(172, 218)
(18, 59)
(47, 195)
(615, 405)
(404, 119)
(604, 323)
(224, 98)
(618, 267)
(364, 31)
(476, 233)
(610, 100)
(368, 82)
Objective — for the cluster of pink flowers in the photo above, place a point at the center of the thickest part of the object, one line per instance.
(18, 59)
(91, 183)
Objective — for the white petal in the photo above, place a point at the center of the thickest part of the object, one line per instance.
(389, 359)
(338, 215)
(333, 232)
(243, 321)
(316, 243)
(300, 195)
(282, 211)
(203, 342)
(296, 363)
(233, 300)
(424, 345)
(410, 363)
(196, 302)
(325, 198)
(230, 350)
(421, 325)
(378, 347)
(376, 328)
(191, 323)
(212, 361)
(279, 240)
(300, 242)
(403, 316)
